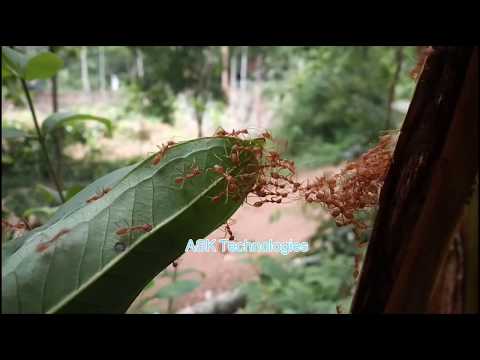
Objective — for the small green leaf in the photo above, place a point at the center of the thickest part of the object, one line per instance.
(176, 289)
(71, 191)
(5, 72)
(7, 159)
(63, 118)
(36, 67)
(44, 210)
(13, 133)
(50, 196)
(15, 61)
(272, 268)
(43, 66)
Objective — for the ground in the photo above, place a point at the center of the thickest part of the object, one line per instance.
(223, 272)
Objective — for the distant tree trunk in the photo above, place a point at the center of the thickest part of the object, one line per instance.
(139, 57)
(244, 68)
(393, 85)
(199, 119)
(84, 68)
(225, 63)
(422, 256)
(233, 72)
(59, 134)
(101, 69)
(258, 91)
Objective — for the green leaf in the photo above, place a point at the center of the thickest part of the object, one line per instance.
(36, 67)
(86, 269)
(76, 202)
(63, 118)
(50, 196)
(7, 159)
(176, 289)
(43, 66)
(45, 210)
(9, 133)
(71, 191)
(15, 61)
(272, 269)
(5, 72)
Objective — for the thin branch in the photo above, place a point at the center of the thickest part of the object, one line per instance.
(41, 139)
(170, 300)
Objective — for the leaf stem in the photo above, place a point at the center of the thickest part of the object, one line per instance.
(41, 139)
(170, 300)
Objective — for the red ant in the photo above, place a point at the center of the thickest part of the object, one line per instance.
(195, 171)
(358, 259)
(267, 135)
(231, 182)
(261, 202)
(162, 152)
(216, 199)
(127, 230)
(99, 195)
(238, 149)
(221, 132)
(44, 246)
(18, 226)
(229, 231)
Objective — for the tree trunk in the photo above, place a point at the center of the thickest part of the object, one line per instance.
(233, 72)
(84, 68)
(139, 57)
(420, 256)
(101, 69)
(199, 119)
(244, 69)
(225, 57)
(393, 85)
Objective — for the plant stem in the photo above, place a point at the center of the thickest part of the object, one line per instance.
(170, 300)
(58, 135)
(41, 139)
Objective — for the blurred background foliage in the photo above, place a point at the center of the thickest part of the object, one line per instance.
(328, 103)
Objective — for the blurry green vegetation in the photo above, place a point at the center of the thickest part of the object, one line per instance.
(317, 288)
(175, 288)
(323, 282)
(333, 103)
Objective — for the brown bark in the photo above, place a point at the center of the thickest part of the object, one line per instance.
(422, 202)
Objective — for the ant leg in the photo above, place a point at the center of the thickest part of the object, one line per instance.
(218, 157)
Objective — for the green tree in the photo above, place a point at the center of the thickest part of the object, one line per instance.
(334, 99)
(171, 70)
